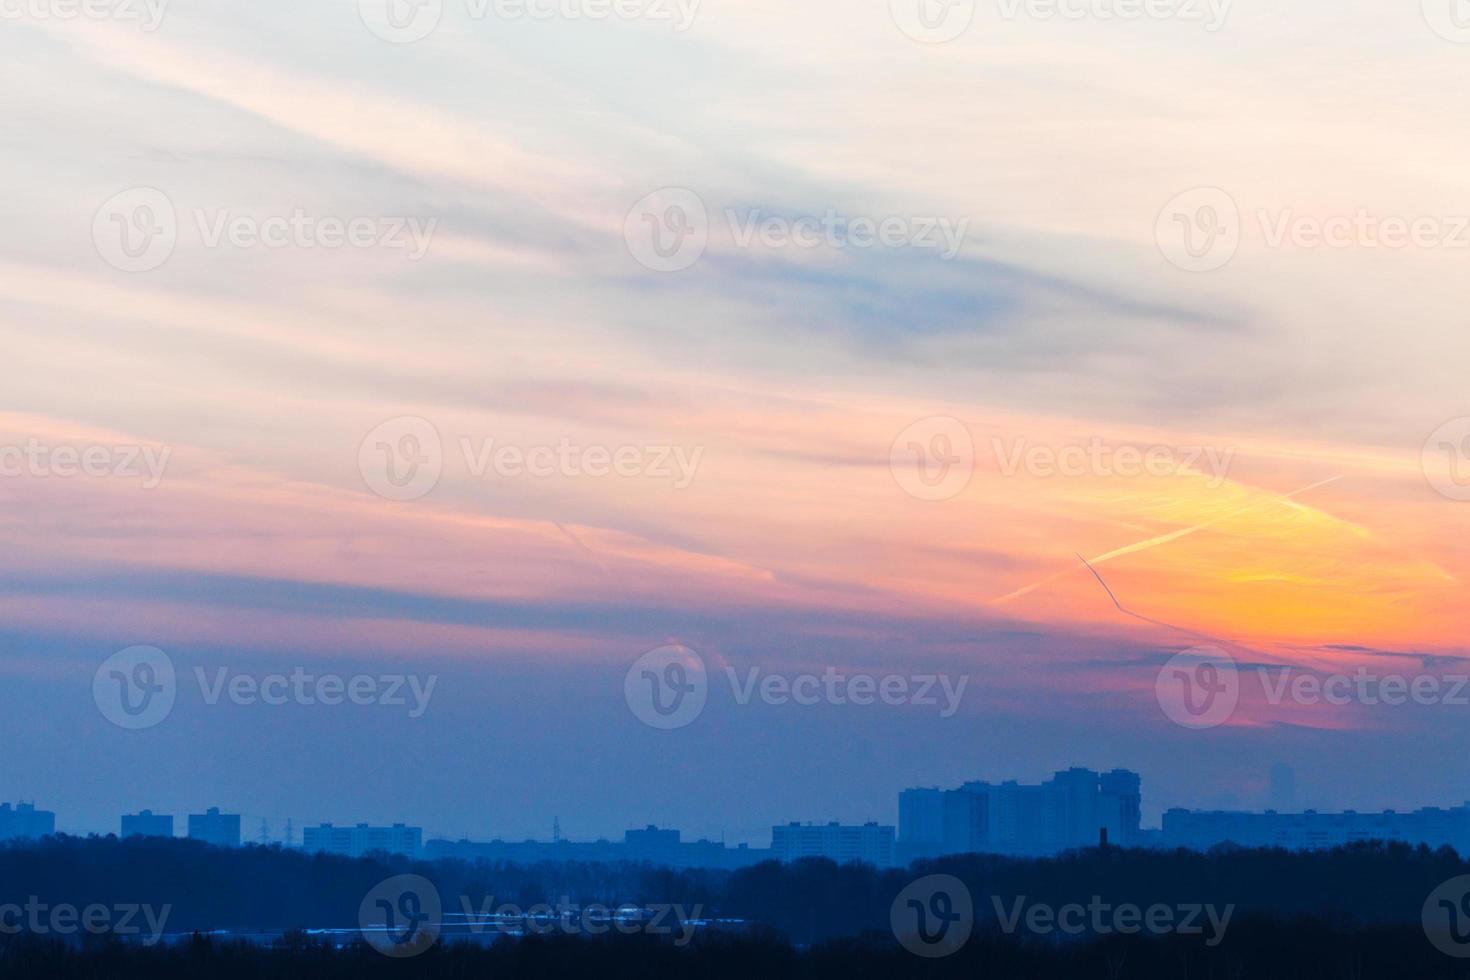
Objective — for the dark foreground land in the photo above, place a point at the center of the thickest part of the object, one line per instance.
(1290, 951)
(1355, 914)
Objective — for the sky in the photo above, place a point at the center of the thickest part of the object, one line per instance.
(811, 339)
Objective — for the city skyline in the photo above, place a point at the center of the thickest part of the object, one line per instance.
(923, 821)
(327, 357)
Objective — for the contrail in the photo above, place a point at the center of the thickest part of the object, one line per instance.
(1147, 543)
(1159, 622)
(580, 546)
(1155, 622)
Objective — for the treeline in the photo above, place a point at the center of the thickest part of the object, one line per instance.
(270, 888)
(809, 903)
(1361, 885)
(1258, 949)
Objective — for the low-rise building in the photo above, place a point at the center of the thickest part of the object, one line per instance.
(868, 844)
(213, 827)
(1311, 830)
(146, 823)
(24, 821)
(650, 845)
(363, 839)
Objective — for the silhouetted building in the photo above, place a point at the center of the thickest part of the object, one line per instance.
(213, 827)
(1070, 810)
(24, 820)
(921, 819)
(1310, 830)
(651, 841)
(869, 843)
(966, 822)
(651, 845)
(146, 823)
(363, 839)
(1120, 806)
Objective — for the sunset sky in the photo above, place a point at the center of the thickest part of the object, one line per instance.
(1308, 400)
